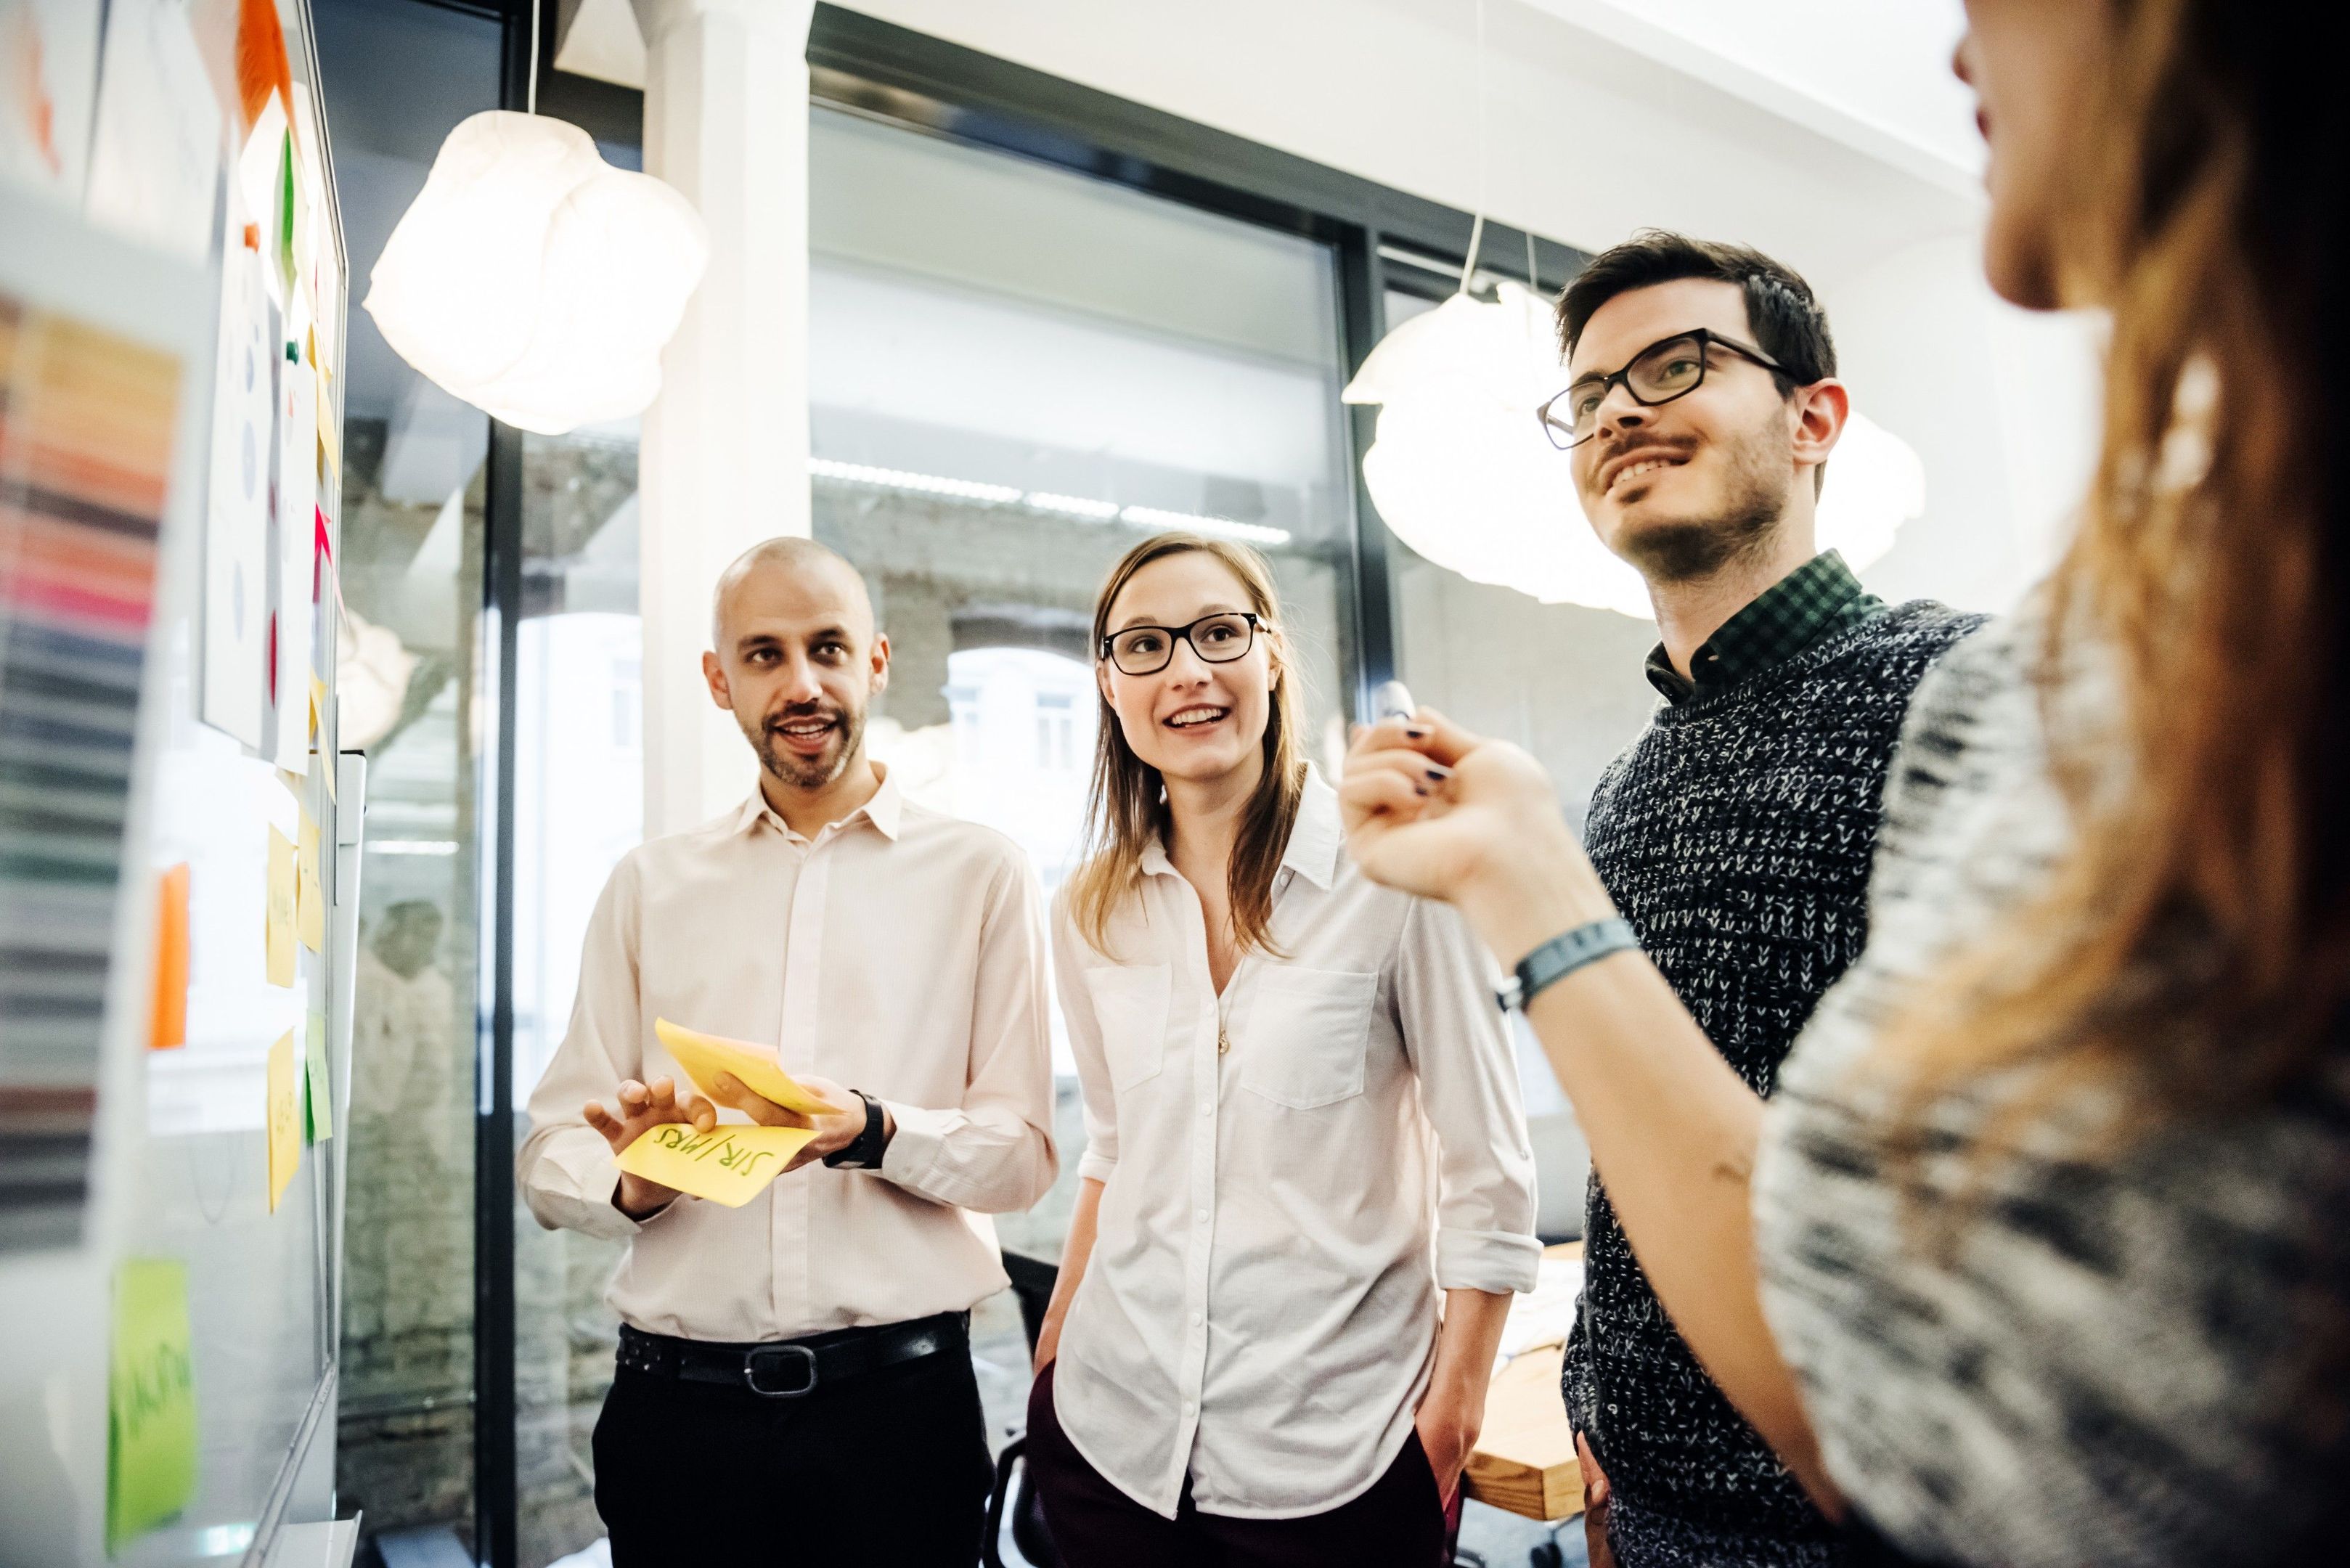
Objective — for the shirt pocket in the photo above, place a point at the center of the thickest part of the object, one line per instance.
(1130, 1008)
(1308, 1032)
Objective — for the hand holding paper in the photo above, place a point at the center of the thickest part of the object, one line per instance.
(707, 1057)
(644, 1107)
(668, 1145)
(825, 1132)
(746, 1077)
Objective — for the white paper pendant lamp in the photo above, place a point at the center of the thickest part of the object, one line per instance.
(1462, 470)
(1463, 473)
(536, 281)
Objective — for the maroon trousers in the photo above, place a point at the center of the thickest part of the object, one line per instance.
(1401, 1521)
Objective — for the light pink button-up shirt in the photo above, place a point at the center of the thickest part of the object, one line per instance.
(900, 952)
(1260, 1311)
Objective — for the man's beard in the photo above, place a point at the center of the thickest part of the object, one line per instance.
(788, 767)
(1689, 549)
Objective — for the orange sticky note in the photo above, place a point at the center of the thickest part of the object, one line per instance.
(281, 913)
(170, 1025)
(284, 1117)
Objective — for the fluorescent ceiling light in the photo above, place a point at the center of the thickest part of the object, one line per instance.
(1253, 533)
(413, 846)
(1078, 506)
(1075, 505)
(920, 483)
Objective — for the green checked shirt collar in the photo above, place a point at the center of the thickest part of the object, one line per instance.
(1816, 599)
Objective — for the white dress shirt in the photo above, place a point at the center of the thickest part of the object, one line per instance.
(899, 952)
(1260, 1311)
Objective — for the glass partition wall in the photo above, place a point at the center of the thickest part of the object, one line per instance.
(1016, 373)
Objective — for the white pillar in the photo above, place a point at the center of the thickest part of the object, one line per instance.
(724, 459)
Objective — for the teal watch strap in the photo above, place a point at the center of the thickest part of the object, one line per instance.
(1561, 956)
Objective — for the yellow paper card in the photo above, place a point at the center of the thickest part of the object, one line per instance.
(730, 1165)
(318, 702)
(704, 1056)
(281, 913)
(284, 1117)
(309, 898)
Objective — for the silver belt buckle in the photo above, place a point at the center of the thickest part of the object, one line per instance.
(751, 1371)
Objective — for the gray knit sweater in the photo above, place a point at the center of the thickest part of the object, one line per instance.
(2132, 1363)
(1735, 835)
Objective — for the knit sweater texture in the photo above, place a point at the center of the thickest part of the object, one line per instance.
(1735, 834)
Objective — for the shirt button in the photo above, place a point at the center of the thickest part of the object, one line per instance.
(1190, 1407)
(1206, 1108)
(1202, 1217)
(1199, 1318)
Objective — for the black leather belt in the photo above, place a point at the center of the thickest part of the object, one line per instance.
(793, 1368)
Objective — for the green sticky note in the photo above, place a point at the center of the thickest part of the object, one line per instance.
(150, 1400)
(318, 1103)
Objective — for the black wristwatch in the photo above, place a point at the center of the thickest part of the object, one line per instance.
(865, 1153)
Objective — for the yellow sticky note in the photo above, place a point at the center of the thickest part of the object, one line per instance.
(284, 1117)
(704, 1056)
(729, 1165)
(281, 914)
(318, 702)
(309, 895)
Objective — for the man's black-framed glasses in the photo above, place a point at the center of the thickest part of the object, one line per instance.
(1668, 369)
(1217, 638)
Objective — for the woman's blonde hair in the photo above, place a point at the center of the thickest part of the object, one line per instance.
(2193, 949)
(1126, 808)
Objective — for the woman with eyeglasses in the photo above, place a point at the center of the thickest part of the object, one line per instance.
(1307, 1193)
(2041, 1255)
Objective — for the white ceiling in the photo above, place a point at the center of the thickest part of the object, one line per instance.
(1875, 73)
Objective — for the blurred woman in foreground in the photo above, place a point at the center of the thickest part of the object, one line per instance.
(2042, 1255)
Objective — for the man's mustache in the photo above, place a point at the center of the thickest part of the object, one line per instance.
(1681, 445)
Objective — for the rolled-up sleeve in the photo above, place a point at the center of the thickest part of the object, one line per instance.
(1460, 1047)
(1077, 1015)
(993, 1153)
(566, 1169)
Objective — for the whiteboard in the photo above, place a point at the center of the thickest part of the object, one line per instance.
(180, 1163)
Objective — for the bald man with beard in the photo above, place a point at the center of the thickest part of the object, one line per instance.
(794, 1377)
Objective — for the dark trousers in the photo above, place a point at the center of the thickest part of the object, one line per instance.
(1400, 1523)
(887, 1467)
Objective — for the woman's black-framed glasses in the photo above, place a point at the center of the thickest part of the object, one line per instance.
(1217, 638)
(1668, 369)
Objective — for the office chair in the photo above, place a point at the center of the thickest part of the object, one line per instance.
(1032, 1286)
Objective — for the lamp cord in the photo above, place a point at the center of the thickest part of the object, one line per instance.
(1477, 228)
(530, 93)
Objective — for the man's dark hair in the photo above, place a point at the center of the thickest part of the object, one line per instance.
(1781, 310)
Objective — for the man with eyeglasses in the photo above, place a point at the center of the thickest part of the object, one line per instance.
(1735, 833)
